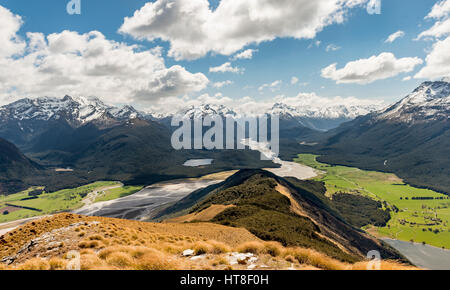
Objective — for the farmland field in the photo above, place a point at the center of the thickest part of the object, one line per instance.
(116, 193)
(418, 215)
(45, 203)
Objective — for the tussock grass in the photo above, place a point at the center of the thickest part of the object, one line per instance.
(57, 263)
(385, 265)
(34, 264)
(120, 260)
(250, 247)
(153, 249)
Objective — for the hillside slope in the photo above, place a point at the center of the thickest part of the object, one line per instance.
(14, 166)
(285, 210)
(53, 243)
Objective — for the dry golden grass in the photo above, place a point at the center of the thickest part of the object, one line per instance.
(385, 265)
(130, 245)
(57, 263)
(203, 216)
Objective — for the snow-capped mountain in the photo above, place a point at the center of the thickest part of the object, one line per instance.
(314, 117)
(126, 113)
(76, 111)
(410, 138)
(430, 101)
(32, 124)
(326, 112)
(205, 110)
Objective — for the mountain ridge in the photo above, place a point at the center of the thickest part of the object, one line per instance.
(410, 138)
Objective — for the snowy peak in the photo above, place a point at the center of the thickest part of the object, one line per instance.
(324, 112)
(430, 101)
(76, 110)
(125, 113)
(429, 91)
(195, 112)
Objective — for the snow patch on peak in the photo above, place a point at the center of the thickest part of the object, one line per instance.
(76, 110)
(325, 112)
(196, 112)
(430, 101)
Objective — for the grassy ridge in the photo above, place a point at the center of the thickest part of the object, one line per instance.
(266, 213)
(418, 220)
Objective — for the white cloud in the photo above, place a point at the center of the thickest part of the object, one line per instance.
(275, 86)
(364, 71)
(437, 62)
(394, 36)
(294, 80)
(438, 30)
(407, 78)
(9, 25)
(246, 54)
(332, 47)
(86, 64)
(226, 67)
(440, 10)
(219, 85)
(441, 28)
(194, 29)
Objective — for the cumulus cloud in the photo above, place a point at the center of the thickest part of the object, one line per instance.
(438, 30)
(437, 62)
(226, 67)
(11, 44)
(441, 28)
(194, 29)
(246, 54)
(364, 71)
(86, 64)
(440, 10)
(219, 85)
(294, 80)
(394, 36)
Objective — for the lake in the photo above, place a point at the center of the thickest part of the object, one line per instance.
(198, 162)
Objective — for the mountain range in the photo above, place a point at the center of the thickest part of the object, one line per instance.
(410, 138)
(98, 142)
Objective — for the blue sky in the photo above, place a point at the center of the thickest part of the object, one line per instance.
(360, 36)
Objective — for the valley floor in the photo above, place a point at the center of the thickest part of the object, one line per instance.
(418, 215)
